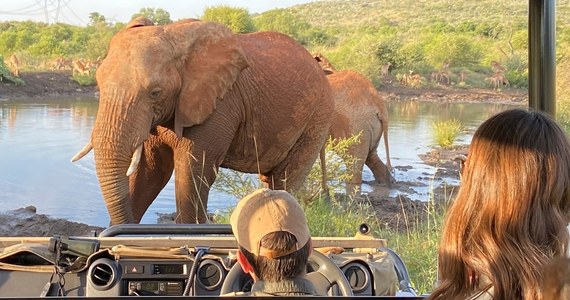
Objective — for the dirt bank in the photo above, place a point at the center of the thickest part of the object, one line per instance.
(45, 84)
(391, 210)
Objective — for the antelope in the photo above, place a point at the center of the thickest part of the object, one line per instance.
(80, 68)
(385, 69)
(416, 80)
(61, 64)
(445, 74)
(15, 65)
(497, 67)
(498, 79)
(462, 76)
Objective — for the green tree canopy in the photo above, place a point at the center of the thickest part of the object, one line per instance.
(457, 49)
(159, 16)
(96, 18)
(284, 21)
(237, 18)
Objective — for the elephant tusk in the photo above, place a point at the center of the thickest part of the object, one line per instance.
(135, 160)
(82, 152)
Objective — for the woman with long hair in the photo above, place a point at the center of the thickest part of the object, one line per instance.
(510, 215)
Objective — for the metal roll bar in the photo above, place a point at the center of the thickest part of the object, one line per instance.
(166, 229)
(542, 56)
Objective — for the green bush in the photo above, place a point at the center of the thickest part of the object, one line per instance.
(6, 74)
(459, 50)
(236, 18)
(447, 131)
(84, 80)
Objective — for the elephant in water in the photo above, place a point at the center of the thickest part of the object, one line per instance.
(359, 108)
(193, 96)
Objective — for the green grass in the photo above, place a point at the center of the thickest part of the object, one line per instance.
(84, 80)
(341, 216)
(418, 244)
(446, 132)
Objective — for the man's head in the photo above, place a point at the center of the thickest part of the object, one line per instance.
(271, 229)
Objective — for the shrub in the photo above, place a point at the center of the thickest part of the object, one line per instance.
(447, 131)
(6, 74)
(84, 79)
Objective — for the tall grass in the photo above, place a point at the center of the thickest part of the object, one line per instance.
(446, 132)
(340, 216)
(418, 244)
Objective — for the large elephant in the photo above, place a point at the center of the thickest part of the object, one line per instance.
(359, 108)
(193, 96)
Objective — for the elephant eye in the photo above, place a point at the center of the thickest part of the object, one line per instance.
(155, 93)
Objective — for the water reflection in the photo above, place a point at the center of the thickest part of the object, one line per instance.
(38, 137)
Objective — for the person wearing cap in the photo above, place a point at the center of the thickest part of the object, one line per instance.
(274, 243)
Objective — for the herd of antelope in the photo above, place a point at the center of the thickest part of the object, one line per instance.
(498, 78)
(443, 76)
(77, 66)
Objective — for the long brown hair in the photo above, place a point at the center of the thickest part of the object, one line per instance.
(510, 215)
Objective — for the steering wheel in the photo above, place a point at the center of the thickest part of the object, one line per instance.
(326, 278)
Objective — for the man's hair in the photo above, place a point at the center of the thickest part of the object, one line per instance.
(280, 268)
(510, 215)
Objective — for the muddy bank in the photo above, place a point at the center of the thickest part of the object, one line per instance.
(45, 84)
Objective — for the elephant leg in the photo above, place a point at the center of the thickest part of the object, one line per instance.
(292, 172)
(195, 173)
(153, 173)
(381, 172)
(197, 159)
(354, 185)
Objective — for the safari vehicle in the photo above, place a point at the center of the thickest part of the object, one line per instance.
(182, 259)
(198, 260)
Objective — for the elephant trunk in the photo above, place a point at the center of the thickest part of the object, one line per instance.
(118, 133)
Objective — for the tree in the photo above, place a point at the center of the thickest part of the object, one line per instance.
(159, 16)
(284, 21)
(96, 19)
(458, 49)
(236, 18)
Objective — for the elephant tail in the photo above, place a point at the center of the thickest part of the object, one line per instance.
(386, 143)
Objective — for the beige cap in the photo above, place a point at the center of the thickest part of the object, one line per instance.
(265, 211)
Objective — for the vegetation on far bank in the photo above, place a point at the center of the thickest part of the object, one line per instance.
(361, 35)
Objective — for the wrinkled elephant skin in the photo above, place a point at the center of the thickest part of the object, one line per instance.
(197, 97)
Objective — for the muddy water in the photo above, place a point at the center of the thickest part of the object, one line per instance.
(38, 137)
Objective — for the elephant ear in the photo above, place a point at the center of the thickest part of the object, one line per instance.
(212, 61)
(138, 22)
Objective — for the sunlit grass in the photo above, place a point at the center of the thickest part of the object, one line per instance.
(341, 216)
(446, 132)
(84, 79)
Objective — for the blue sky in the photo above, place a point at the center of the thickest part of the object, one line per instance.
(77, 12)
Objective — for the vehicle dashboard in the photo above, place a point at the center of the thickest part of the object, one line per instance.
(172, 260)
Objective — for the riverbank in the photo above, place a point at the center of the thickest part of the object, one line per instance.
(60, 83)
(45, 84)
(391, 210)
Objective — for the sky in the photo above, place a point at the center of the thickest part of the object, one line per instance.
(76, 12)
